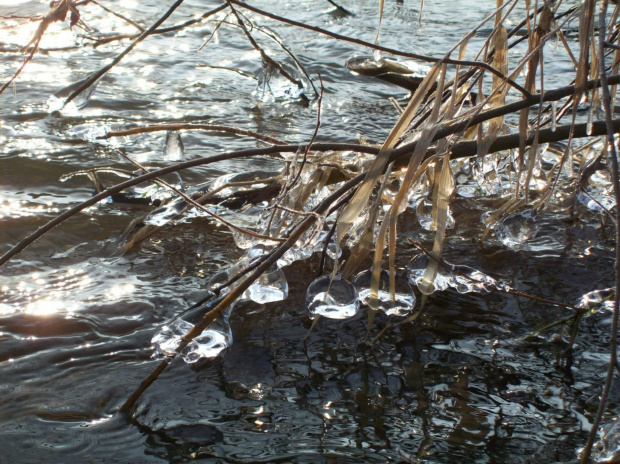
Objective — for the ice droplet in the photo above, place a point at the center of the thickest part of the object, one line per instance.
(303, 249)
(596, 201)
(595, 297)
(271, 286)
(425, 216)
(210, 343)
(169, 337)
(173, 147)
(404, 299)
(466, 279)
(463, 279)
(165, 214)
(516, 229)
(332, 298)
(416, 269)
(273, 86)
(246, 241)
(57, 101)
(607, 449)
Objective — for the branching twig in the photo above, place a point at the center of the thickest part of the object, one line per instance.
(266, 58)
(416, 56)
(94, 77)
(237, 291)
(195, 204)
(57, 12)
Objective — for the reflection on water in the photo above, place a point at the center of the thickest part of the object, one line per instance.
(76, 323)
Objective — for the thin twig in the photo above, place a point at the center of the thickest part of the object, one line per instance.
(204, 127)
(237, 291)
(21, 68)
(313, 138)
(162, 30)
(266, 58)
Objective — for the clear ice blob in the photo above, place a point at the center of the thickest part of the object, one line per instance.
(57, 101)
(332, 298)
(244, 261)
(246, 241)
(303, 249)
(416, 268)
(596, 202)
(173, 147)
(607, 449)
(272, 86)
(595, 297)
(294, 254)
(485, 173)
(333, 251)
(516, 229)
(271, 286)
(404, 299)
(210, 343)
(465, 279)
(167, 340)
(425, 216)
(165, 214)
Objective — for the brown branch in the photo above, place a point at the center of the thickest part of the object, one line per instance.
(204, 127)
(57, 12)
(459, 150)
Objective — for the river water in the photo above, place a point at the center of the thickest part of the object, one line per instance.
(76, 320)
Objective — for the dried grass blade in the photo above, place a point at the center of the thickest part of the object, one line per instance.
(381, 5)
(360, 251)
(363, 193)
(498, 98)
(426, 138)
(543, 28)
(442, 204)
(586, 21)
